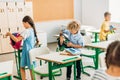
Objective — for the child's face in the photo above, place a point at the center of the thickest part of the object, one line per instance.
(108, 18)
(73, 31)
(25, 24)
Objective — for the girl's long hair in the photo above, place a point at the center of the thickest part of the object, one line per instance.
(30, 21)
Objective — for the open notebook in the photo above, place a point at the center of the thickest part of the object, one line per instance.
(73, 51)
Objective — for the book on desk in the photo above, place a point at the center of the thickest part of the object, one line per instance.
(71, 51)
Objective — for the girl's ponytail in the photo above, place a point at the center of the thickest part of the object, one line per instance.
(35, 32)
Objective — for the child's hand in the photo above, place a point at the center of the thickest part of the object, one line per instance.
(61, 33)
(61, 39)
(114, 29)
(70, 44)
(8, 34)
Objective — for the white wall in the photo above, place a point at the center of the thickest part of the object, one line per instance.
(51, 28)
(88, 12)
(93, 11)
(78, 10)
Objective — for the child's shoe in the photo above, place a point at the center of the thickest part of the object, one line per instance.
(78, 79)
(68, 79)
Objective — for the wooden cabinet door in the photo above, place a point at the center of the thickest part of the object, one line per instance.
(6, 47)
(29, 9)
(20, 15)
(0, 44)
(11, 12)
(3, 15)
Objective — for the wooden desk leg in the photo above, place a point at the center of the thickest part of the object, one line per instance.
(75, 70)
(97, 55)
(50, 70)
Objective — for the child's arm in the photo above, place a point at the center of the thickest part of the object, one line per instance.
(61, 40)
(13, 37)
(114, 29)
(61, 37)
(79, 43)
(106, 31)
(74, 45)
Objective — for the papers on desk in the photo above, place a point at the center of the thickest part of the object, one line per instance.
(6, 67)
(73, 51)
(57, 58)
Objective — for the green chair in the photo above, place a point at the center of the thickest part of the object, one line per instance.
(39, 67)
(89, 53)
(102, 60)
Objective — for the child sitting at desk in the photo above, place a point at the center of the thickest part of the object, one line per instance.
(106, 28)
(75, 41)
(112, 60)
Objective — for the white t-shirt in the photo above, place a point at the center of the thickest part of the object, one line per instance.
(26, 33)
(102, 75)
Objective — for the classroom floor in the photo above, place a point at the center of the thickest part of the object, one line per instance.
(52, 47)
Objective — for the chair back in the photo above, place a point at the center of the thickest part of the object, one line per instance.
(87, 39)
(37, 52)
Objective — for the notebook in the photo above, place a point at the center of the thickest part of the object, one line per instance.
(73, 51)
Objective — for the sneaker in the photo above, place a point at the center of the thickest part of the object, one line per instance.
(68, 79)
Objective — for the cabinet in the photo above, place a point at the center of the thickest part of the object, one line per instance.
(3, 15)
(11, 15)
(4, 42)
(28, 9)
(0, 43)
(6, 47)
(20, 15)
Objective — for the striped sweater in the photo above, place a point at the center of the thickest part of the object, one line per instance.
(102, 75)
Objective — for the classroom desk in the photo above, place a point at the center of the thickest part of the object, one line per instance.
(95, 32)
(60, 60)
(100, 45)
(5, 71)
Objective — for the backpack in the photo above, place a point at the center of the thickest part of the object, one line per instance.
(64, 45)
(15, 45)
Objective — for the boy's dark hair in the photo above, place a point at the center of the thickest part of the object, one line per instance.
(113, 54)
(30, 21)
(106, 14)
